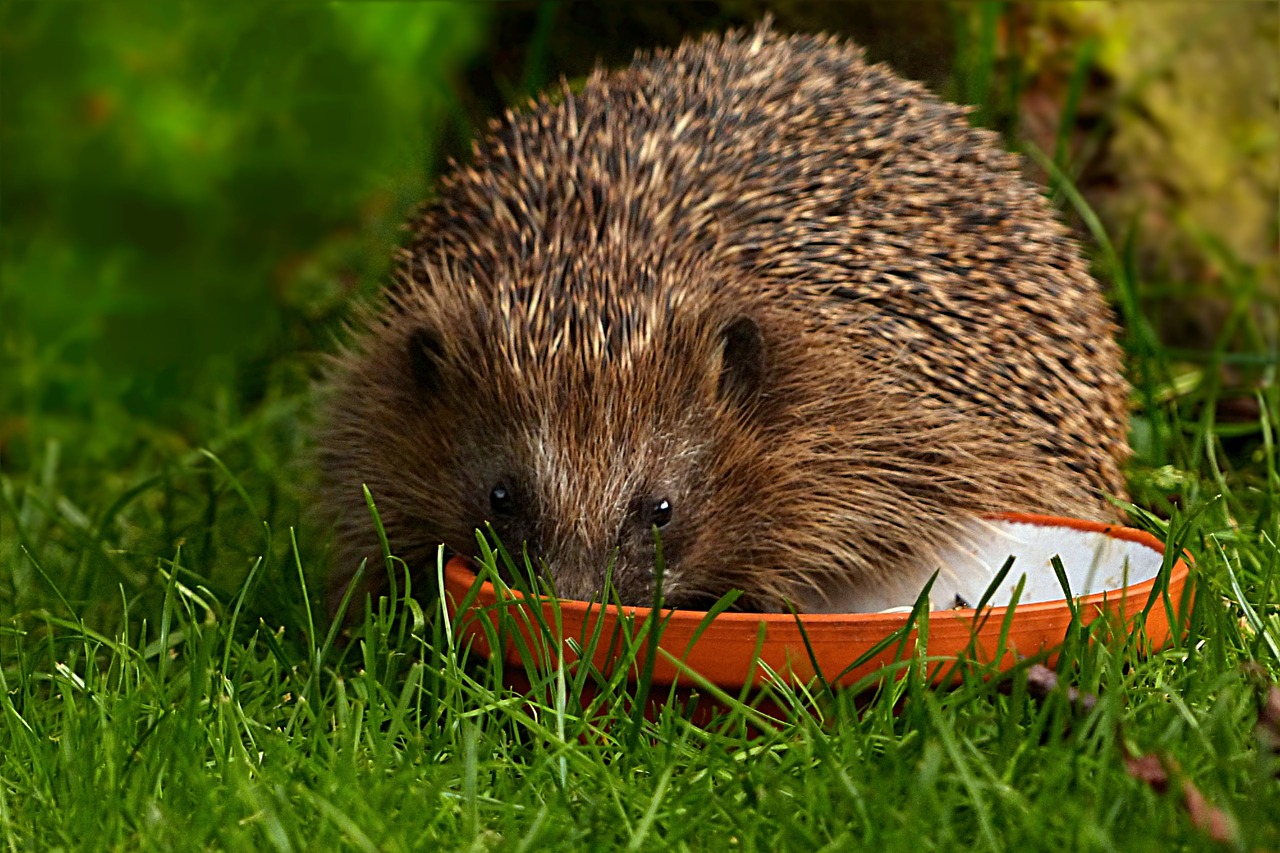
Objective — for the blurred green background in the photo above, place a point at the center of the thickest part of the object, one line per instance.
(191, 195)
(189, 189)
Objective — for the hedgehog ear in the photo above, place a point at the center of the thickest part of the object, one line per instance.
(740, 361)
(426, 352)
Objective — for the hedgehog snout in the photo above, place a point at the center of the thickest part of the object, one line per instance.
(583, 566)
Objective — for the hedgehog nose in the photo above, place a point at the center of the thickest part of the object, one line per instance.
(584, 573)
(574, 571)
(576, 582)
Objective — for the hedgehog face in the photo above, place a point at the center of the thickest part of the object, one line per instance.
(631, 467)
(586, 465)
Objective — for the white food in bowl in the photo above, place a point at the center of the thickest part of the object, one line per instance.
(1093, 561)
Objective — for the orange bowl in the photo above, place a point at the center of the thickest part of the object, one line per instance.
(1119, 571)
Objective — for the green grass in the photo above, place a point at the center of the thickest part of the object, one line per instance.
(167, 681)
(206, 730)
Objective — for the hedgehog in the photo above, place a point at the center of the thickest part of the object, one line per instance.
(754, 301)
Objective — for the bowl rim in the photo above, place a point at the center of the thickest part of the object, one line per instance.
(460, 575)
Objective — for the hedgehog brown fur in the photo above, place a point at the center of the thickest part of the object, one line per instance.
(786, 306)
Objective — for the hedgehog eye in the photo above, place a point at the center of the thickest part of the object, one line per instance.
(660, 514)
(502, 501)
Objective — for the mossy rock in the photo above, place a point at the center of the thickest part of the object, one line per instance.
(1177, 139)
